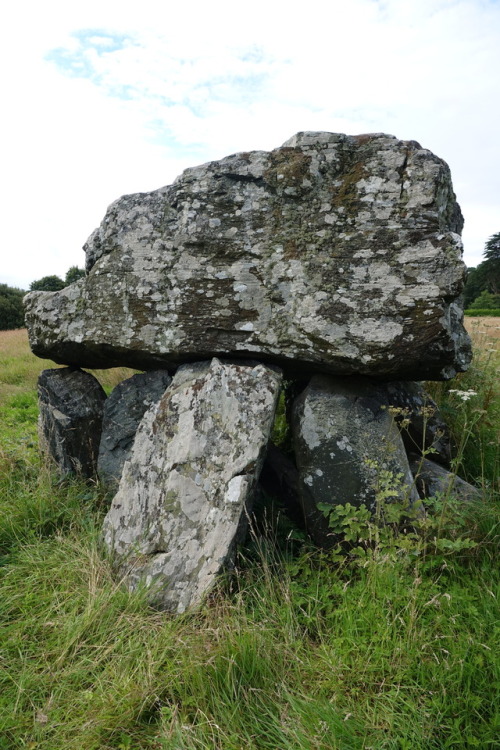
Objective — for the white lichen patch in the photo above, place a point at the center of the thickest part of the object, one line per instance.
(344, 445)
(376, 331)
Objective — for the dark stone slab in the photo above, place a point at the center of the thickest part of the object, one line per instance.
(348, 449)
(432, 479)
(123, 411)
(71, 407)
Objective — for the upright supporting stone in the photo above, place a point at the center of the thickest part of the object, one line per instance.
(71, 406)
(123, 412)
(347, 449)
(184, 493)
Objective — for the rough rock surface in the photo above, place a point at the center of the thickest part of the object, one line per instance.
(71, 406)
(347, 448)
(338, 253)
(123, 411)
(184, 492)
(432, 479)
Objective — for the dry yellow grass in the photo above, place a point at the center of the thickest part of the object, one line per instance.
(13, 342)
(485, 335)
(19, 368)
(483, 328)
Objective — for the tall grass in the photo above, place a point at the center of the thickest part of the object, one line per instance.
(290, 651)
(475, 420)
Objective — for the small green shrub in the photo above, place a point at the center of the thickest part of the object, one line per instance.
(11, 307)
(486, 301)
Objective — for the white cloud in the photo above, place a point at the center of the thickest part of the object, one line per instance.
(109, 97)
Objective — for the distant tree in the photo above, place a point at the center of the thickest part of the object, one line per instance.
(492, 263)
(11, 308)
(486, 276)
(73, 274)
(47, 284)
(492, 247)
(486, 301)
(475, 284)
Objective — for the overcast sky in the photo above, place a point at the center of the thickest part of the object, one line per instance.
(107, 97)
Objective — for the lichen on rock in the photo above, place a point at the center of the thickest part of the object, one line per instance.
(333, 253)
(71, 404)
(348, 449)
(186, 490)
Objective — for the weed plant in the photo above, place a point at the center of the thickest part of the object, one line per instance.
(394, 646)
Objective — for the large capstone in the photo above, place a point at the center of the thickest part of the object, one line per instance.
(71, 406)
(186, 490)
(348, 449)
(123, 412)
(334, 253)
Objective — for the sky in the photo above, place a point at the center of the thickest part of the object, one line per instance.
(104, 98)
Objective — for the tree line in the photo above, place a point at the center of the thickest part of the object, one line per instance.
(482, 288)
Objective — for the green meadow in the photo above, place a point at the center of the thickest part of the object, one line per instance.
(393, 644)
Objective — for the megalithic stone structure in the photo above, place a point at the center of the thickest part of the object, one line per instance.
(335, 260)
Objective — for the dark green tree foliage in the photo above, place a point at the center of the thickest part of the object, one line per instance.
(492, 247)
(486, 301)
(11, 308)
(47, 284)
(73, 274)
(475, 284)
(486, 277)
(492, 263)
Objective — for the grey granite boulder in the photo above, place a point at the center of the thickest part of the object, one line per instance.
(185, 491)
(348, 449)
(71, 406)
(432, 479)
(123, 411)
(333, 253)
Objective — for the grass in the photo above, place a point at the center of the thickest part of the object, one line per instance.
(475, 423)
(290, 652)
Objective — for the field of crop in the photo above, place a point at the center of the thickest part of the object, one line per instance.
(295, 649)
(483, 329)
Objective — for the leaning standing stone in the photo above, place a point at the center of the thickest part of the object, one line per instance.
(71, 406)
(348, 450)
(123, 411)
(185, 491)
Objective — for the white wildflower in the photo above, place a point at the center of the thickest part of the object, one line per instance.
(464, 395)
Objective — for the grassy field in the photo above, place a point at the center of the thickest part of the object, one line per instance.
(483, 330)
(295, 650)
